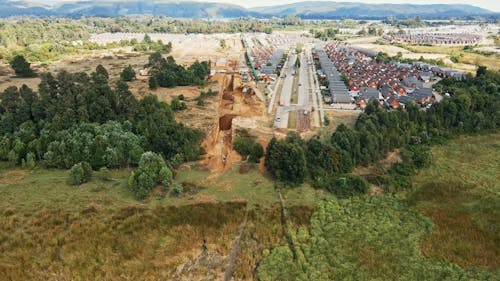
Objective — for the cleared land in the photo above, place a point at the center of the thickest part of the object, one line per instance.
(453, 56)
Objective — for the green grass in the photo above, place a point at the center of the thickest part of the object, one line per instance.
(446, 228)
(254, 187)
(47, 189)
(460, 192)
(362, 239)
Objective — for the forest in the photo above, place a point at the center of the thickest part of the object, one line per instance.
(77, 117)
(472, 108)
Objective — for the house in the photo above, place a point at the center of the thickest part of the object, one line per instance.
(393, 102)
(369, 94)
(413, 82)
(459, 75)
(387, 92)
(422, 95)
(405, 100)
(342, 98)
(425, 76)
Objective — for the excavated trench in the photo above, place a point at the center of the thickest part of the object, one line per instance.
(226, 122)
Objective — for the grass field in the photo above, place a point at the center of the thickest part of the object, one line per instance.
(460, 192)
(99, 231)
(491, 62)
(449, 231)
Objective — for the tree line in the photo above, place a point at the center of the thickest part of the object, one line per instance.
(167, 73)
(45, 39)
(473, 107)
(77, 117)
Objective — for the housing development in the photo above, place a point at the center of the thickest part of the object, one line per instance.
(197, 141)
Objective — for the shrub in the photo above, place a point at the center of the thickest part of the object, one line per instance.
(21, 67)
(101, 70)
(29, 163)
(248, 148)
(348, 186)
(152, 170)
(80, 173)
(128, 74)
(177, 104)
(177, 189)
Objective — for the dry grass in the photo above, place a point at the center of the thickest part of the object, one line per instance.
(491, 62)
(98, 231)
(460, 192)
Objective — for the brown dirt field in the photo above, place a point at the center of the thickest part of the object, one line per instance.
(206, 47)
(236, 110)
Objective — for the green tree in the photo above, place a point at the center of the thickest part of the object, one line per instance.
(286, 161)
(21, 66)
(152, 170)
(153, 82)
(80, 173)
(29, 162)
(248, 148)
(128, 74)
(348, 186)
(102, 71)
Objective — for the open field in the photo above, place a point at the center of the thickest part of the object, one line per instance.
(98, 231)
(460, 193)
(464, 60)
(452, 219)
(462, 57)
(337, 117)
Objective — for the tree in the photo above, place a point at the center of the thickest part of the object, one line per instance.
(127, 104)
(153, 82)
(152, 171)
(248, 148)
(156, 61)
(29, 163)
(286, 161)
(102, 71)
(21, 67)
(128, 74)
(326, 120)
(481, 70)
(80, 173)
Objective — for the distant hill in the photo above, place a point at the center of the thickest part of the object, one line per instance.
(191, 9)
(336, 10)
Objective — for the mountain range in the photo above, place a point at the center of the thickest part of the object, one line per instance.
(208, 10)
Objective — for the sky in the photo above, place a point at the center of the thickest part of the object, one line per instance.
(493, 5)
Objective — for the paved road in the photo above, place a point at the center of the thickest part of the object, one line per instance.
(281, 119)
(304, 86)
(274, 91)
(317, 103)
